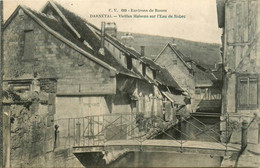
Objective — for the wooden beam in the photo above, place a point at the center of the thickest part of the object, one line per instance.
(251, 47)
(238, 44)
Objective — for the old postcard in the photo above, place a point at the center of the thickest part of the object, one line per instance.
(140, 83)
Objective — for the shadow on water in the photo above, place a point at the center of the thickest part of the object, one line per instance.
(164, 159)
(157, 159)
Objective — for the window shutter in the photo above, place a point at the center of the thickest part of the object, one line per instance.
(243, 92)
(253, 92)
(248, 92)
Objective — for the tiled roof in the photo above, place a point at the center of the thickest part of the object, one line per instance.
(58, 27)
(202, 78)
(51, 25)
(87, 34)
(165, 78)
(176, 99)
(151, 63)
(91, 34)
(162, 74)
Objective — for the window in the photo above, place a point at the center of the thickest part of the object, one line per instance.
(154, 74)
(247, 92)
(143, 69)
(129, 63)
(28, 52)
(174, 62)
(197, 91)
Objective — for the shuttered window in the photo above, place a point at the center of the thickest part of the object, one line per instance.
(28, 52)
(247, 92)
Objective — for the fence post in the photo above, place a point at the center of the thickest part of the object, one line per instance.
(244, 134)
(227, 134)
(78, 133)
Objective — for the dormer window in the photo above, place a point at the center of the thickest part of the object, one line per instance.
(154, 74)
(143, 69)
(129, 63)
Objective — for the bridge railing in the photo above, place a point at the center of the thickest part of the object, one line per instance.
(98, 129)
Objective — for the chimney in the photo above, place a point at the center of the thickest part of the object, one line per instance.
(127, 39)
(111, 29)
(142, 50)
(21, 13)
(174, 42)
(102, 49)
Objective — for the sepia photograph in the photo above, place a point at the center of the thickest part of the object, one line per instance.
(129, 83)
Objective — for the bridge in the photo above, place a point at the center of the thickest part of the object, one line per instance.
(133, 132)
(211, 148)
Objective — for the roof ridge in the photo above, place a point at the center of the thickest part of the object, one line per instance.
(161, 52)
(178, 54)
(64, 18)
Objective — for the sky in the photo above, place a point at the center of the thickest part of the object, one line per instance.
(196, 19)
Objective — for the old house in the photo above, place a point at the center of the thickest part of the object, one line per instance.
(208, 89)
(240, 21)
(122, 52)
(90, 35)
(64, 68)
(202, 84)
(180, 68)
(48, 65)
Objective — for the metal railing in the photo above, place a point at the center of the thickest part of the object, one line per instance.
(98, 129)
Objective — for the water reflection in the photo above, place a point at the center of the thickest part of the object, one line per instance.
(157, 159)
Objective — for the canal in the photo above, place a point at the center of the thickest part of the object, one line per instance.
(193, 129)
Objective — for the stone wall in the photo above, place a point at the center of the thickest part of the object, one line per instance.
(32, 86)
(31, 119)
(52, 59)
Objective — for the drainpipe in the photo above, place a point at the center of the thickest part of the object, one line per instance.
(102, 49)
